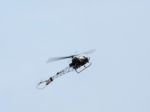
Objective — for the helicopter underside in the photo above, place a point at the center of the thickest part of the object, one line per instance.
(80, 69)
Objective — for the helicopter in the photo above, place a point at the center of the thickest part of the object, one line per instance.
(78, 61)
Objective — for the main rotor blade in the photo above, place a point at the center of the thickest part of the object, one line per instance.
(88, 52)
(59, 58)
(71, 56)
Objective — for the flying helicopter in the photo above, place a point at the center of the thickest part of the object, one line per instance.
(79, 62)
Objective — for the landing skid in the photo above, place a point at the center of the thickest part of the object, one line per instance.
(85, 67)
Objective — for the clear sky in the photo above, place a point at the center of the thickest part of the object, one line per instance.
(31, 31)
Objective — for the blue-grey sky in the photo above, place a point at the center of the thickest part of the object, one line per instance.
(31, 31)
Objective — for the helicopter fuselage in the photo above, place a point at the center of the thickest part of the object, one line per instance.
(79, 61)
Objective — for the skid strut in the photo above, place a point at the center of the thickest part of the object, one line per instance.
(85, 67)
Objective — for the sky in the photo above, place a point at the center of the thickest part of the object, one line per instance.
(31, 31)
